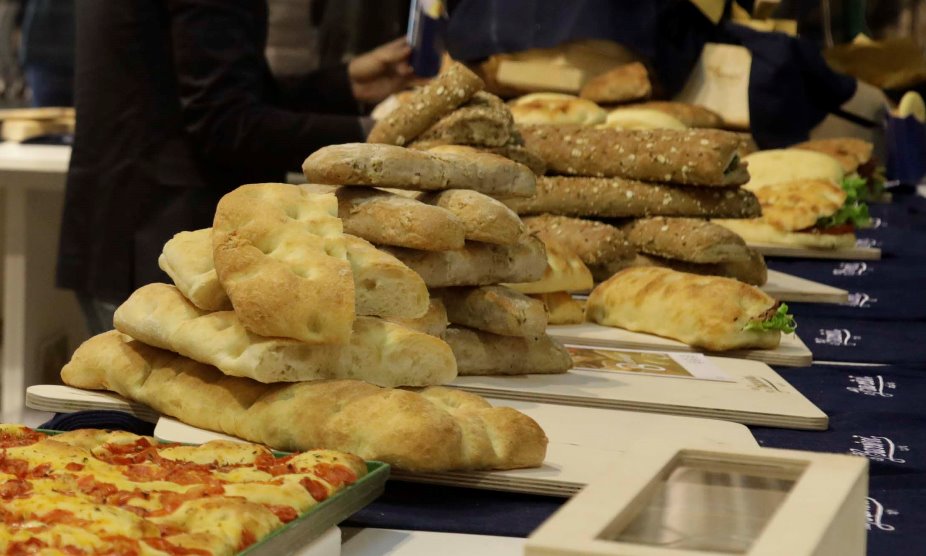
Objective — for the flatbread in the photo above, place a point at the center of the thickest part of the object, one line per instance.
(555, 108)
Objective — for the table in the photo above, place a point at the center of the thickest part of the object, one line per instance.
(41, 324)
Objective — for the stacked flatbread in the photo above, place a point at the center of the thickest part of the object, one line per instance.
(283, 329)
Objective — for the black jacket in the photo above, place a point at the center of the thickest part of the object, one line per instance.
(175, 107)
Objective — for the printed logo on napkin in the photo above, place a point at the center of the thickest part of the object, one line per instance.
(653, 363)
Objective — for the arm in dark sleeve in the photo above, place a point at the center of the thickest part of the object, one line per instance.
(221, 75)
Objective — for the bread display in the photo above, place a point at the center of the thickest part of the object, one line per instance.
(432, 323)
(383, 286)
(595, 243)
(495, 309)
(703, 157)
(482, 217)
(399, 168)
(561, 307)
(565, 272)
(482, 353)
(279, 254)
(624, 83)
(750, 271)
(555, 108)
(437, 429)
(690, 115)
(379, 352)
(686, 239)
(477, 264)
(387, 219)
(484, 120)
(622, 198)
(709, 312)
(426, 106)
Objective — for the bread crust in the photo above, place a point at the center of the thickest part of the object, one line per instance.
(752, 271)
(565, 272)
(561, 307)
(692, 115)
(483, 121)
(686, 239)
(482, 353)
(436, 429)
(703, 157)
(555, 108)
(595, 243)
(426, 105)
(481, 217)
(495, 309)
(622, 84)
(622, 198)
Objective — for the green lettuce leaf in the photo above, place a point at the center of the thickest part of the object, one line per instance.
(854, 211)
(781, 321)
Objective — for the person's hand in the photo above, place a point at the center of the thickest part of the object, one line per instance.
(380, 72)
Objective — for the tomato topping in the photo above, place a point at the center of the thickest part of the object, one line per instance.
(318, 491)
(14, 488)
(24, 548)
(166, 546)
(13, 466)
(247, 539)
(170, 501)
(275, 466)
(73, 466)
(26, 438)
(39, 471)
(334, 474)
(120, 545)
(284, 513)
(63, 517)
(96, 490)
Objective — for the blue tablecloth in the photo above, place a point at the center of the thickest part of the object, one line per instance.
(878, 412)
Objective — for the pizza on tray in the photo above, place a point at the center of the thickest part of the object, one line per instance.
(90, 492)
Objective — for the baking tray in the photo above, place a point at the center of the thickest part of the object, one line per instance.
(299, 532)
(785, 287)
(856, 253)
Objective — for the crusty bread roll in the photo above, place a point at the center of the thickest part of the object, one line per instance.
(705, 157)
(384, 287)
(388, 219)
(400, 168)
(432, 323)
(482, 217)
(621, 198)
(622, 84)
(425, 106)
(438, 429)
(279, 254)
(752, 271)
(595, 243)
(379, 352)
(708, 312)
(187, 259)
(561, 307)
(691, 115)
(494, 309)
(477, 264)
(484, 120)
(555, 108)
(686, 239)
(482, 353)
(565, 272)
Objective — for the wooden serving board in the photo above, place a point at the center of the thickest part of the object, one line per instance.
(792, 352)
(584, 441)
(849, 254)
(756, 396)
(785, 287)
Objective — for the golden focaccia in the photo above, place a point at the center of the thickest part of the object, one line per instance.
(797, 205)
(707, 312)
(565, 272)
(787, 165)
(555, 108)
(755, 231)
(561, 307)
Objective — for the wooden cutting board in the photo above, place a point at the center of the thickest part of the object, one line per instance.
(785, 287)
(757, 395)
(584, 441)
(849, 254)
(792, 352)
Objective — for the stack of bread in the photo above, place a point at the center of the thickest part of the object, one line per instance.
(283, 329)
(434, 210)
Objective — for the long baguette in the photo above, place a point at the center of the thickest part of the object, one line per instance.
(704, 157)
(399, 168)
(388, 219)
(686, 239)
(623, 198)
(477, 264)
(425, 106)
(494, 309)
(596, 243)
(512, 151)
(482, 353)
(438, 429)
(482, 217)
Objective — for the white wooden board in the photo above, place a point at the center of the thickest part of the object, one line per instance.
(391, 542)
(759, 396)
(792, 352)
(849, 254)
(584, 442)
(786, 287)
